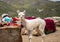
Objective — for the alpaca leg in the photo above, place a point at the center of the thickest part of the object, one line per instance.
(43, 35)
(41, 30)
(30, 35)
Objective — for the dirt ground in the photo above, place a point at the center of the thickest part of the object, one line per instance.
(52, 37)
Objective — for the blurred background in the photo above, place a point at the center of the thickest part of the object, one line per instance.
(41, 8)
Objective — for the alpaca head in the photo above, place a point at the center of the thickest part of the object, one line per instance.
(21, 14)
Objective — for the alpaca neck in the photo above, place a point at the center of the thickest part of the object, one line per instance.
(23, 21)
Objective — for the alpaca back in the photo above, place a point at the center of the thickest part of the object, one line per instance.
(34, 23)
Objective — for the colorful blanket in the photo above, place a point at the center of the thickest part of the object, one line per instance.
(50, 26)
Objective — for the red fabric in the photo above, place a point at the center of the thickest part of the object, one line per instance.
(30, 18)
(50, 25)
(14, 23)
(15, 18)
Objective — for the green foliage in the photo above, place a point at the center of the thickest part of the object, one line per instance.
(6, 8)
(31, 6)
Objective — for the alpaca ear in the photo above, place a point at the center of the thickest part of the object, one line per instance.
(24, 11)
(18, 11)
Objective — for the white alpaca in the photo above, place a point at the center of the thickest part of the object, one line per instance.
(31, 24)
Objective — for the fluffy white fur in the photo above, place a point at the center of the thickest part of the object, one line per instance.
(31, 24)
